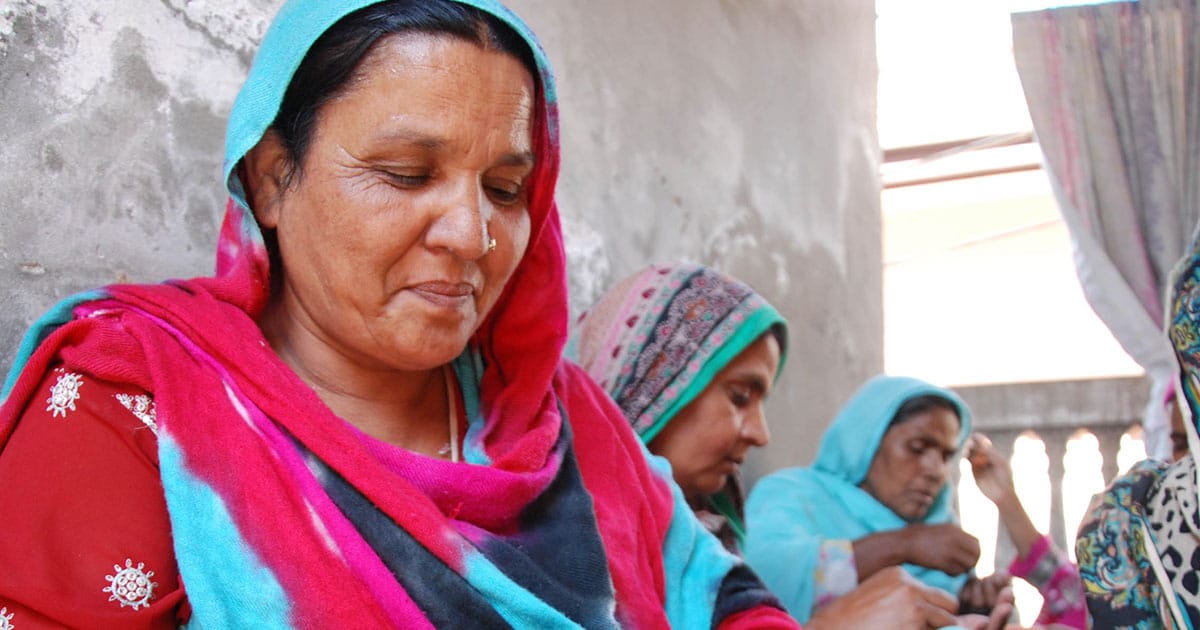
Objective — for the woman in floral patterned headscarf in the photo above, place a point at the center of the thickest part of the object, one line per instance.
(689, 354)
(1138, 546)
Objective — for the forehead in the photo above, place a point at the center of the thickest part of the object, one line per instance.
(760, 357)
(407, 73)
(935, 424)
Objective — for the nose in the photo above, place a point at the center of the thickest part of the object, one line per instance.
(933, 465)
(754, 427)
(460, 221)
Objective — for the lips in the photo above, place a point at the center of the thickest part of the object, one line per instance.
(923, 497)
(447, 294)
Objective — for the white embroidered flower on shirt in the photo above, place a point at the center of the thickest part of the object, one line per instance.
(6, 620)
(130, 586)
(141, 406)
(64, 394)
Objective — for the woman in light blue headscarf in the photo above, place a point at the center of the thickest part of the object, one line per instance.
(876, 496)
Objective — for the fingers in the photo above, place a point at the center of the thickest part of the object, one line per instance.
(971, 596)
(935, 605)
(999, 616)
(965, 553)
(978, 445)
(936, 617)
(945, 547)
(997, 590)
(972, 622)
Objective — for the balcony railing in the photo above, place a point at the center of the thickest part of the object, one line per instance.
(1054, 413)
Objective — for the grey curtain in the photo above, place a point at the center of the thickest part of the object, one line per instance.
(1113, 93)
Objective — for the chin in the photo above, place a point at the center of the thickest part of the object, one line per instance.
(709, 487)
(422, 357)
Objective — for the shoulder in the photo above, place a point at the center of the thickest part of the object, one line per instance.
(787, 482)
(1128, 492)
(71, 402)
(791, 498)
(1110, 548)
(86, 508)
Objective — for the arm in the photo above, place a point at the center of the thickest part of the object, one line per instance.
(86, 515)
(1038, 561)
(993, 475)
(1057, 580)
(783, 549)
(945, 547)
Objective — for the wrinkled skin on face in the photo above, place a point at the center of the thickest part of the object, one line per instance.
(384, 231)
(708, 439)
(913, 462)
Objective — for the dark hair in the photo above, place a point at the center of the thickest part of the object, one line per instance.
(332, 60)
(924, 402)
(778, 330)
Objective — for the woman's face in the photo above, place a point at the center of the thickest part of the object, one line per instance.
(709, 438)
(1179, 443)
(384, 232)
(913, 462)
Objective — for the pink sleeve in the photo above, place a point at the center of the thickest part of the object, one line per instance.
(1057, 579)
(86, 539)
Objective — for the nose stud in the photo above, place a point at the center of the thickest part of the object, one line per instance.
(491, 245)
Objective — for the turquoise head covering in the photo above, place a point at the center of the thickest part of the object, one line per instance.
(792, 512)
(850, 443)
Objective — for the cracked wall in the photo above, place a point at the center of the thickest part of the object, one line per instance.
(732, 132)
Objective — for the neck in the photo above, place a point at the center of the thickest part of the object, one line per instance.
(407, 408)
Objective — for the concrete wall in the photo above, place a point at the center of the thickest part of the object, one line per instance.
(739, 133)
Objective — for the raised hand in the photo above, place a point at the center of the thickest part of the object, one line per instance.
(991, 469)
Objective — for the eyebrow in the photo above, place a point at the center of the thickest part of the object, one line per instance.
(410, 136)
(932, 440)
(524, 158)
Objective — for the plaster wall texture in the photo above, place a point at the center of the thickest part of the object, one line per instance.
(737, 133)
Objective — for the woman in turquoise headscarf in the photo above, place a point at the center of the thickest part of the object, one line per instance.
(363, 420)
(876, 496)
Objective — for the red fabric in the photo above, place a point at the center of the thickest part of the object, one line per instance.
(632, 511)
(760, 618)
(82, 494)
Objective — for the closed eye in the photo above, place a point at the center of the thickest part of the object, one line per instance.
(504, 195)
(740, 395)
(407, 180)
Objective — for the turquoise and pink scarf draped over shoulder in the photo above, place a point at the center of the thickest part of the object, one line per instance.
(792, 511)
(655, 340)
(283, 515)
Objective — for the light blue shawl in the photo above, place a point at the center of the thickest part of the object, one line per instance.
(790, 512)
